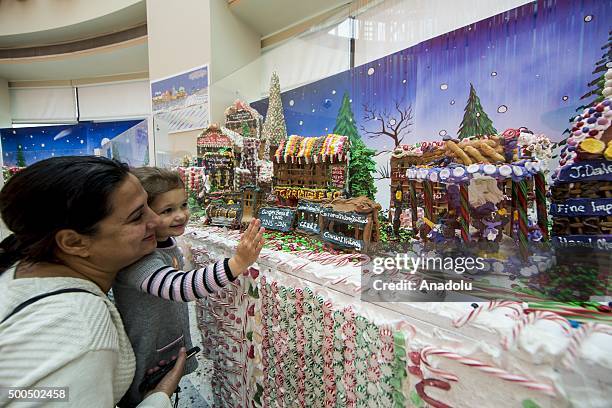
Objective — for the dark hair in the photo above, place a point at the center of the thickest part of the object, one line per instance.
(157, 181)
(70, 192)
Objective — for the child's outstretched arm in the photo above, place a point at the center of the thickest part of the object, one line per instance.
(185, 286)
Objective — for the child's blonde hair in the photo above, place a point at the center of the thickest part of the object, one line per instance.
(157, 181)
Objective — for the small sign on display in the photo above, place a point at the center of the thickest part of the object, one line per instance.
(277, 218)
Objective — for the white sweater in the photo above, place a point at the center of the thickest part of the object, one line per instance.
(74, 340)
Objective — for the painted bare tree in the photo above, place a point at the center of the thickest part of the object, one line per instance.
(393, 124)
(383, 172)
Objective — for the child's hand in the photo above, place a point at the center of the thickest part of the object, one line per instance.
(248, 248)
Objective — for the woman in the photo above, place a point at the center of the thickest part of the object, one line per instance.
(76, 222)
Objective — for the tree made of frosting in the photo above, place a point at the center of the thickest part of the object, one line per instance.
(601, 67)
(475, 120)
(274, 127)
(361, 164)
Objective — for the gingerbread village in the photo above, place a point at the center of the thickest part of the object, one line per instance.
(499, 192)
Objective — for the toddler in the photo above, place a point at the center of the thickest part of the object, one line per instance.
(151, 293)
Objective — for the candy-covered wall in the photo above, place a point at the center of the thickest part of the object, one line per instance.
(24, 146)
(530, 66)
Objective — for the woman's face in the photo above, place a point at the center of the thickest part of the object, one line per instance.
(128, 233)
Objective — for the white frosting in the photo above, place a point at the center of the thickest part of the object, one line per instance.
(538, 351)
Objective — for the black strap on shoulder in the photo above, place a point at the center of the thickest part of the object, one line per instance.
(42, 296)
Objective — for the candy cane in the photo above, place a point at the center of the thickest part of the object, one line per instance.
(523, 381)
(420, 389)
(515, 307)
(531, 318)
(579, 335)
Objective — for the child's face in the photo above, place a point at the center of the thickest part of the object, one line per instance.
(173, 212)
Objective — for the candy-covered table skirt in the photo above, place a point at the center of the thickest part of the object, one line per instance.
(294, 332)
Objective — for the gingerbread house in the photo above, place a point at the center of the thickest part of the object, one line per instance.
(582, 191)
(491, 183)
(242, 119)
(216, 152)
(311, 168)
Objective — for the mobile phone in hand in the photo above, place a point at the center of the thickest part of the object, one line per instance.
(151, 380)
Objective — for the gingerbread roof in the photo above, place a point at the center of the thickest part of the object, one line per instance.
(218, 136)
(313, 148)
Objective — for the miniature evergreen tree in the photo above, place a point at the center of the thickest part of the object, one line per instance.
(21, 161)
(475, 120)
(274, 127)
(246, 132)
(361, 164)
(601, 67)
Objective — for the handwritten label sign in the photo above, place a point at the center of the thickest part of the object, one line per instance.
(582, 206)
(276, 218)
(342, 240)
(308, 226)
(397, 175)
(601, 242)
(344, 217)
(598, 170)
(217, 161)
(309, 206)
(338, 176)
(239, 116)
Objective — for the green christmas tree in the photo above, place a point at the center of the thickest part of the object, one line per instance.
(361, 164)
(246, 132)
(595, 95)
(21, 161)
(475, 120)
(274, 127)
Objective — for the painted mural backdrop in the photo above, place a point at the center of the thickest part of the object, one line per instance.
(531, 66)
(182, 100)
(24, 146)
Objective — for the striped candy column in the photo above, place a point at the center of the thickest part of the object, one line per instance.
(465, 213)
(428, 200)
(413, 205)
(522, 218)
(540, 196)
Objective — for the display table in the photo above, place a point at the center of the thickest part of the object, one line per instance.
(295, 332)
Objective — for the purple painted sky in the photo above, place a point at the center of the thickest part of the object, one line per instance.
(529, 67)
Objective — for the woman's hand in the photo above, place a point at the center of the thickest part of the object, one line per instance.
(170, 382)
(248, 248)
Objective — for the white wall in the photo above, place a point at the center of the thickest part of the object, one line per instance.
(179, 39)
(179, 36)
(234, 45)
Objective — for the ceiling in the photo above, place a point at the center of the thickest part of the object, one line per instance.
(119, 20)
(131, 57)
(267, 17)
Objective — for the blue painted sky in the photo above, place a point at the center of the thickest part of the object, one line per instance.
(40, 143)
(529, 66)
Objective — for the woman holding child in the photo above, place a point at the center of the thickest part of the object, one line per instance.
(76, 222)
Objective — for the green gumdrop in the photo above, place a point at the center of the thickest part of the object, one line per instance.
(530, 404)
(249, 336)
(399, 339)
